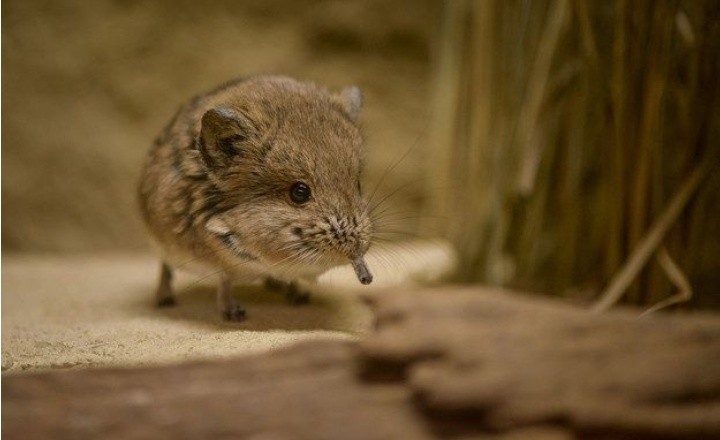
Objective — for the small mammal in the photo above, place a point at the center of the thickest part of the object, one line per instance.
(258, 179)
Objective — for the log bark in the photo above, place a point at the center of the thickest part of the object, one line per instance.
(309, 391)
(511, 361)
(463, 363)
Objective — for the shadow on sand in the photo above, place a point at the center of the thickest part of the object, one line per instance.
(267, 310)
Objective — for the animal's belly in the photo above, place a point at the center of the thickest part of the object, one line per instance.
(242, 271)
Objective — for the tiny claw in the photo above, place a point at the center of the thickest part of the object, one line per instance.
(362, 271)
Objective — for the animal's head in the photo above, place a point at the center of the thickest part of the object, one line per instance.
(288, 156)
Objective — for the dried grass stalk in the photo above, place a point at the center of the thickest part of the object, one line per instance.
(564, 128)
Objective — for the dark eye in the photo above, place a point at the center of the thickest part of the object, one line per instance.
(299, 193)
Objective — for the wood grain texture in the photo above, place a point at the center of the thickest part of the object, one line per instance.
(512, 361)
(309, 391)
(451, 363)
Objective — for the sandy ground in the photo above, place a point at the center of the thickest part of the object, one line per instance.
(96, 310)
(106, 76)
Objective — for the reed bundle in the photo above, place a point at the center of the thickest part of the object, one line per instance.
(581, 141)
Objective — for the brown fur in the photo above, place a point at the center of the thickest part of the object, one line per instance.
(215, 188)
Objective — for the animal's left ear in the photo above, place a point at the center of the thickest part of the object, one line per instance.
(350, 99)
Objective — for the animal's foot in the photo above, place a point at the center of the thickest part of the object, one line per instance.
(234, 313)
(165, 302)
(275, 284)
(295, 296)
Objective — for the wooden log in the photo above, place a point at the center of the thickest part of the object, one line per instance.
(512, 361)
(309, 391)
(472, 363)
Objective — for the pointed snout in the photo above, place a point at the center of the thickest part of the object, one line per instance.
(361, 270)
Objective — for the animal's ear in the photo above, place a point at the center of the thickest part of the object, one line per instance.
(222, 135)
(351, 100)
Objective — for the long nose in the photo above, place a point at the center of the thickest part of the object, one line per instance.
(348, 242)
(361, 270)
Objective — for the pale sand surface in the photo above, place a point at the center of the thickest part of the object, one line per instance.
(96, 310)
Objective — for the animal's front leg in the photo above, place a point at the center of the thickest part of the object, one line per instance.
(229, 308)
(164, 296)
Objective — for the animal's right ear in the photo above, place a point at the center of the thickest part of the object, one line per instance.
(351, 100)
(222, 134)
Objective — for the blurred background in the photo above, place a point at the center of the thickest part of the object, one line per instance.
(88, 85)
(561, 146)
(585, 138)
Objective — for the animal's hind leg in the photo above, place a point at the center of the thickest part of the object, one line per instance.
(297, 296)
(293, 294)
(275, 284)
(229, 308)
(164, 296)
